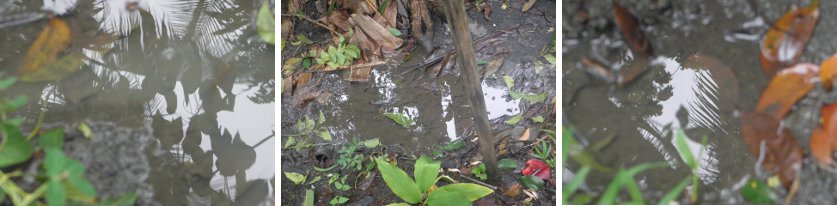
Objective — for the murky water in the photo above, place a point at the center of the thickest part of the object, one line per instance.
(703, 100)
(181, 103)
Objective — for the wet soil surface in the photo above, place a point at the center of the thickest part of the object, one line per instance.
(436, 101)
(671, 95)
(181, 106)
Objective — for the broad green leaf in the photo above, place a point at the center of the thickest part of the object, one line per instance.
(623, 177)
(371, 143)
(316, 178)
(7, 82)
(514, 119)
(393, 31)
(399, 118)
(295, 177)
(479, 171)
(338, 200)
(341, 186)
(309, 198)
(341, 39)
(80, 186)
(454, 145)
(309, 124)
(507, 164)
(289, 142)
(469, 191)
(531, 182)
(53, 138)
(398, 204)
(757, 192)
(332, 51)
(538, 66)
(509, 81)
(265, 24)
(55, 193)
(570, 188)
(399, 182)
(683, 149)
(354, 49)
(550, 58)
(304, 39)
(447, 199)
(325, 135)
(15, 103)
(14, 148)
(306, 63)
(675, 192)
(2, 195)
(324, 169)
(426, 171)
(85, 130)
(333, 178)
(537, 119)
(534, 98)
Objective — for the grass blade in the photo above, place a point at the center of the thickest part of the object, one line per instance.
(572, 186)
(675, 192)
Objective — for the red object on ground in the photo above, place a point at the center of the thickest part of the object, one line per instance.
(537, 168)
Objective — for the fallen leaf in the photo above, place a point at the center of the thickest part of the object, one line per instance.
(528, 5)
(514, 119)
(302, 80)
(486, 11)
(823, 142)
(492, 67)
(420, 23)
(295, 177)
(828, 69)
(629, 27)
(509, 81)
(784, 90)
(376, 32)
(338, 20)
(783, 155)
(265, 24)
(42, 62)
(524, 136)
(512, 190)
(390, 13)
(538, 168)
(784, 43)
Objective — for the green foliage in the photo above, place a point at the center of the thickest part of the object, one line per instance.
(538, 119)
(507, 164)
(307, 128)
(348, 159)
(514, 119)
(14, 149)
(454, 145)
(757, 192)
(394, 32)
(570, 188)
(534, 98)
(309, 198)
(426, 174)
(509, 81)
(265, 24)
(625, 178)
(297, 178)
(336, 56)
(479, 171)
(544, 152)
(338, 200)
(399, 118)
(531, 182)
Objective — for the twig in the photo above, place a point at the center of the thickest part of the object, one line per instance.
(451, 51)
(479, 182)
(315, 22)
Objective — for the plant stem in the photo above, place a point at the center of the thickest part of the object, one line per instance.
(37, 126)
(492, 187)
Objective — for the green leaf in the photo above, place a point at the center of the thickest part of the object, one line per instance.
(537, 119)
(289, 142)
(333, 178)
(514, 119)
(399, 118)
(341, 186)
(265, 24)
(757, 192)
(566, 141)
(296, 43)
(550, 58)
(325, 135)
(447, 198)
(531, 182)
(332, 51)
(383, 6)
(85, 130)
(398, 204)
(341, 39)
(371, 143)
(15, 103)
(509, 81)
(534, 98)
(469, 191)
(454, 145)
(624, 177)
(316, 178)
(426, 171)
(306, 63)
(55, 193)
(479, 171)
(14, 148)
(675, 192)
(324, 169)
(538, 66)
(481, 62)
(338, 200)
(569, 188)
(53, 138)
(354, 49)
(7, 82)
(399, 182)
(304, 39)
(81, 187)
(683, 149)
(309, 124)
(393, 31)
(295, 177)
(2, 195)
(507, 164)
(321, 119)
(125, 200)
(309, 198)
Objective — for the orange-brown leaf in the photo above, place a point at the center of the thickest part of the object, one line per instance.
(784, 42)
(829, 122)
(821, 146)
(828, 69)
(54, 39)
(786, 89)
(782, 155)
(629, 27)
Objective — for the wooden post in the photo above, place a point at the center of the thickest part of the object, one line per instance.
(455, 12)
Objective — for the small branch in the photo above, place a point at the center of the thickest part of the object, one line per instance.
(479, 182)
(315, 22)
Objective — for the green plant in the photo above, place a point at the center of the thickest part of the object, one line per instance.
(348, 159)
(307, 128)
(479, 171)
(544, 151)
(426, 175)
(336, 56)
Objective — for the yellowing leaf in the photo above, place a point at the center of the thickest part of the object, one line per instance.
(42, 63)
(784, 43)
(295, 177)
(784, 90)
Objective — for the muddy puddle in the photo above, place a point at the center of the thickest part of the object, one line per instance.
(705, 74)
(434, 99)
(179, 96)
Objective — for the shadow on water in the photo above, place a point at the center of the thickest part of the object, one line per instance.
(181, 105)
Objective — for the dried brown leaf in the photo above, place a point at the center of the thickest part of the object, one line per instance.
(782, 155)
(420, 23)
(784, 90)
(784, 43)
(376, 32)
(629, 27)
(486, 11)
(338, 20)
(391, 13)
(528, 5)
